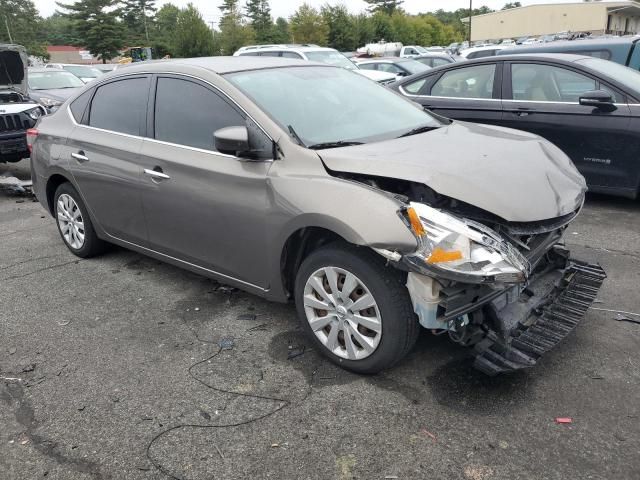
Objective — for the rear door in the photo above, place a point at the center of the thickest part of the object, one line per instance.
(470, 93)
(202, 206)
(542, 98)
(104, 152)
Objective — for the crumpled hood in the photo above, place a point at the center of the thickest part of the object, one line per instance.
(60, 94)
(515, 175)
(13, 68)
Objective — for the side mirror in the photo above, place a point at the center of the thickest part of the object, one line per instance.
(231, 140)
(598, 99)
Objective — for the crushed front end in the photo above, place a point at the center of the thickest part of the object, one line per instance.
(508, 291)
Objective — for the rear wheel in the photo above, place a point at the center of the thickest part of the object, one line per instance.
(356, 309)
(74, 224)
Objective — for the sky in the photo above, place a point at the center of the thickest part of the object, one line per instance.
(284, 8)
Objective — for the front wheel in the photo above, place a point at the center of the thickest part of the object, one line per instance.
(356, 309)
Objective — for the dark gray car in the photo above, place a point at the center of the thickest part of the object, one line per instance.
(301, 181)
(51, 87)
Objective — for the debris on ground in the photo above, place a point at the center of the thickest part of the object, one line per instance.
(15, 185)
(563, 420)
(262, 327)
(219, 451)
(247, 316)
(622, 318)
(426, 432)
(64, 323)
(29, 368)
(621, 312)
(12, 350)
(295, 351)
(226, 343)
(225, 289)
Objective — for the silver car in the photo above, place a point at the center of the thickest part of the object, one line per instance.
(306, 183)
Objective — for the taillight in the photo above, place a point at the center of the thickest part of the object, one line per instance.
(32, 133)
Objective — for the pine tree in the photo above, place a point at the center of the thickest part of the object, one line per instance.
(385, 6)
(308, 26)
(97, 25)
(193, 38)
(259, 12)
(281, 33)
(234, 33)
(19, 24)
(137, 16)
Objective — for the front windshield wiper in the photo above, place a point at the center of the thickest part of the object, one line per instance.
(417, 130)
(338, 144)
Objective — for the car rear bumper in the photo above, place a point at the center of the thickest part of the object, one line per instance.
(547, 310)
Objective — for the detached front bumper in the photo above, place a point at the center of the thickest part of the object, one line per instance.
(546, 311)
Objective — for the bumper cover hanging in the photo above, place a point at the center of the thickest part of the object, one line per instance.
(548, 310)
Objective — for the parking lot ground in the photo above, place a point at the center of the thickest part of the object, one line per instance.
(110, 368)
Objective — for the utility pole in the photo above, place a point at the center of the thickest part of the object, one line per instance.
(144, 17)
(470, 15)
(6, 24)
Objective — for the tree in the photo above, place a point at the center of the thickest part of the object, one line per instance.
(364, 29)
(193, 38)
(382, 27)
(342, 34)
(281, 33)
(19, 24)
(137, 15)
(98, 27)
(259, 12)
(385, 6)
(234, 32)
(164, 30)
(512, 5)
(58, 29)
(308, 26)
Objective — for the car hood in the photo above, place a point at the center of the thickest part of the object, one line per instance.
(515, 175)
(60, 94)
(13, 68)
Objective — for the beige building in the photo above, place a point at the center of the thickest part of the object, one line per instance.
(617, 17)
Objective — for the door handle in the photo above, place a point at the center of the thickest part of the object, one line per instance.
(80, 156)
(156, 173)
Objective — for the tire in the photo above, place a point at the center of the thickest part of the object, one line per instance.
(368, 351)
(79, 235)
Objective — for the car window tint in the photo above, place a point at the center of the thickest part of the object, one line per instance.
(469, 82)
(291, 55)
(188, 113)
(120, 106)
(270, 54)
(249, 54)
(367, 66)
(389, 67)
(79, 105)
(426, 61)
(546, 83)
(415, 87)
(616, 98)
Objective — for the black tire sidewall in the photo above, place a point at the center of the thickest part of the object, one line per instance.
(388, 288)
(92, 244)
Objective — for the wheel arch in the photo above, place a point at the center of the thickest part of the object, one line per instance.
(53, 182)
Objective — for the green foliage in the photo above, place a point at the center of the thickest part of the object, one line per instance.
(234, 32)
(19, 24)
(281, 33)
(342, 33)
(308, 26)
(164, 31)
(58, 29)
(137, 16)
(384, 6)
(192, 36)
(512, 5)
(259, 13)
(98, 27)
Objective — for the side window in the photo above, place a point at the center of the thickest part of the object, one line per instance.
(187, 113)
(367, 66)
(547, 83)
(249, 54)
(415, 87)
(616, 97)
(270, 54)
(120, 106)
(390, 68)
(79, 105)
(469, 82)
(439, 61)
(291, 55)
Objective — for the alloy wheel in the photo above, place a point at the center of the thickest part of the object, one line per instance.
(70, 221)
(342, 313)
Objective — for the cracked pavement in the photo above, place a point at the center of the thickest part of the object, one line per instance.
(111, 368)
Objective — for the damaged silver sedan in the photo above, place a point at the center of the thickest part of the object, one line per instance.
(306, 182)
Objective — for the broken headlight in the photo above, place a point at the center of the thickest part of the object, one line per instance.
(35, 113)
(463, 250)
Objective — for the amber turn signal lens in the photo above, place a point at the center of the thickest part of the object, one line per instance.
(440, 256)
(416, 224)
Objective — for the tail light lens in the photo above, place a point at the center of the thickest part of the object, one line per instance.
(32, 133)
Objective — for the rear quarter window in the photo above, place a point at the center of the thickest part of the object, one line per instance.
(79, 106)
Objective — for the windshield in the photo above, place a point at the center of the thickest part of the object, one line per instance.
(331, 58)
(325, 105)
(52, 79)
(414, 66)
(83, 72)
(421, 50)
(625, 75)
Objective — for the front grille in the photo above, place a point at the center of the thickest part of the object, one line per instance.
(14, 122)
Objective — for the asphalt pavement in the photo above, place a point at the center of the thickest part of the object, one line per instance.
(122, 367)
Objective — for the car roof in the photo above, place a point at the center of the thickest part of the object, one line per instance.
(223, 65)
(584, 43)
(47, 70)
(383, 59)
(558, 57)
(288, 48)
